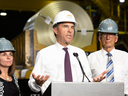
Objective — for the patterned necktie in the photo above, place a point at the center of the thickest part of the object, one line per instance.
(67, 67)
(110, 68)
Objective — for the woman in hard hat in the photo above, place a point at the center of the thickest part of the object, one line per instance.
(8, 81)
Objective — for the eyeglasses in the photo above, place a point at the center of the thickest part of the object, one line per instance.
(111, 35)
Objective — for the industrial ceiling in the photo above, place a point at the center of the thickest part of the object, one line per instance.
(27, 8)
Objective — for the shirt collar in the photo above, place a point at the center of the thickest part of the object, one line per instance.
(105, 52)
(60, 47)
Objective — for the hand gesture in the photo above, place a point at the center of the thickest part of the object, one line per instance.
(40, 79)
(100, 77)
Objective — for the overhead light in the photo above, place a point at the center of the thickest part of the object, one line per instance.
(122, 1)
(3, 13)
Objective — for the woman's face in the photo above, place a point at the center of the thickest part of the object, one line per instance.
(6, 59)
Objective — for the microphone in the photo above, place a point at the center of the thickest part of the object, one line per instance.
(76, 55)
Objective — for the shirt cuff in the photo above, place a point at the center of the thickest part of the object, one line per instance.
(37, 86)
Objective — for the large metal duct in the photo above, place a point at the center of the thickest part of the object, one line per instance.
(45, 34)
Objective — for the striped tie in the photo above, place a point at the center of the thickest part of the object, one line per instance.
(110, 68)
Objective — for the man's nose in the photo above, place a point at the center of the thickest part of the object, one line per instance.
(69, 29)
(108, 36)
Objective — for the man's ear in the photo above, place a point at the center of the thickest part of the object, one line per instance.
(116, 39)
(99, 38)
(55, 30)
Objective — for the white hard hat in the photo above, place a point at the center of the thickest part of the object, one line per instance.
(64, 16)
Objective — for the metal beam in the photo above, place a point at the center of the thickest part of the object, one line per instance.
(104, 6)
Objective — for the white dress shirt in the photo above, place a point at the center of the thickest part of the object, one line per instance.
(50, 61)
(98, 61)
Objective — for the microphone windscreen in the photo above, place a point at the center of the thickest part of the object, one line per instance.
(75, 54)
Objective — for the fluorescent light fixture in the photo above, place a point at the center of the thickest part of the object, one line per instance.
(3, 13)
(122, 1)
